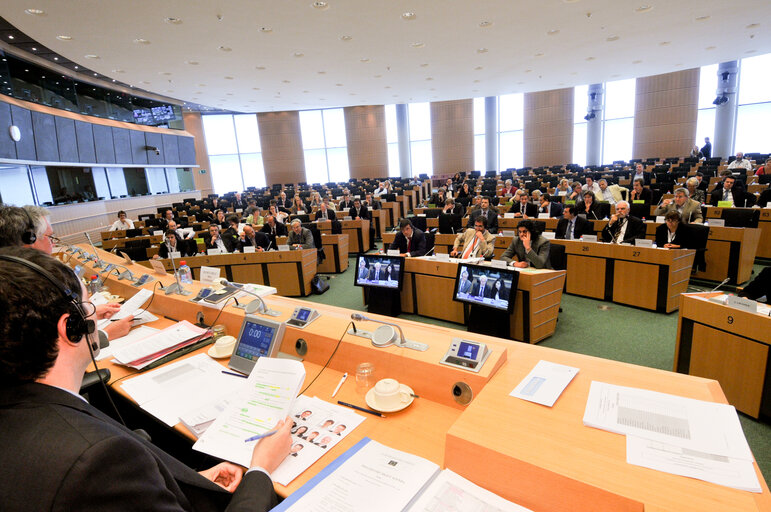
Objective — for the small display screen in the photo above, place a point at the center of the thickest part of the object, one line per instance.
(143, 116)
(163, 113)
(255, 341)
(486, 286)
(303, 314)
(142, 280)
(378, 270)
(109, 268)
(468, 350)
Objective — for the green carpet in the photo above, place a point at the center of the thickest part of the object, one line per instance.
(648, 339)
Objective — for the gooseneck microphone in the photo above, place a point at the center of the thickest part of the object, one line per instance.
(255, 306)
(721, 284)
(385, 338)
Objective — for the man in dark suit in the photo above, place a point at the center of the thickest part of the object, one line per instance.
(485, 211)
(283, 201)
(547, 206)
(727, 193)
(479, 288)
(376, 273)
(325, 213)
(168, 215)
(706, 149)
(216, 241)
(572, 226)
(172, 244)
(371, 203)
(524, 208)
(409, 241)
(273, 228)
(346, 203)
(63, 454)
(622, 227)
(251, 238)
(640, 193)
(359, 211)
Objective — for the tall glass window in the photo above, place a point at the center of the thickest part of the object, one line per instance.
(705, 120)
(754, 105)
(580, 101)
(511, 131)
(420, 138)
(480, 163)
(14, 185)
(235, 155)
(618, 121)
(392, 141)
(324, 145)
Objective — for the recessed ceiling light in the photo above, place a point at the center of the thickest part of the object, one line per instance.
(145, 82)
(424, 65)
(164, 73)
(320, 4)
(364, 59)
(750, 51)
(615, 75)
(346, 38)
(636, 61)
(710, 47)
(418, 44)
(91, 56)
(225, 49)
(306, 92)
(569, 1)
(192, 62)
(478, 68)
(643, 8)
(665, 43)
(118, 71)
(34, 12)
(409, 15)
(64, 38)
(76, 67)
(482, 50)
(299, 54)
(428, 79)
(589, 58)
(477, 81)
(321, 72)
(266, 30)
(378, 76)
(255, 88)
(339, 85)
(553, 32)
(169, 90)
(387, 87)
(10, 36)
(539, 54)
(171, 20)
(34, 49)
(703, 18)
(228, 78)
(260, 68)
(56, 58)
(753, 25)
(286, 81)
(141, 40)
(612, 38)
(528, 71)
(485, 24)
(201, 85)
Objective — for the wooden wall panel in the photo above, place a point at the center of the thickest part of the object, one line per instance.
(365, 131)
(666, 108)
(452, 136)
(548, 136)
(194, 126)
(282, 147)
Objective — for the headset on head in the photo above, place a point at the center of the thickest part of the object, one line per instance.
(29, 236)
(76, 324)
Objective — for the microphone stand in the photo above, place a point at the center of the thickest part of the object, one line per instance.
(261, 307)
(402, 343)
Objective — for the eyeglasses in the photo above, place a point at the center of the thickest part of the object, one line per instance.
(53, 239)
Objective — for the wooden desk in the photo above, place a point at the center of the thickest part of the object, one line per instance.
(764, 245)
(381, 219)
(357, 230)
(730, 253)
(121, 242)
(637, 276)
(335, 250)
(395, 209)
(290, 272)
(728, 345)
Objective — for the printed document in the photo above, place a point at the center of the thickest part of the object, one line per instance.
(155, 343)
(450, 492)
(132, 337)
(545, 383)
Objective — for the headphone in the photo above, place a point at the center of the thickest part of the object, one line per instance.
(29, 236)
(76, 324)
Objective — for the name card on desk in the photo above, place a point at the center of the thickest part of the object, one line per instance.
(248, 249)
(209, 274)
(724, 204)
(158, 267)
(175, 254)
(508, 215)
(442, 256)
(660, 219)
(214, 252)
(549, 235)
(283, 247)
(157, 232)
(718, 223)
(589, 238)
(392, 252)
(643, 242)
(742, 303)
(509, 233)
(543, 215)
(498, 264)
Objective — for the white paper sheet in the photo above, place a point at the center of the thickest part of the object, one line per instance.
(166, 338)
(450, 492)
(736, 473)
(694, 424)
(209, 274)
(158, 267)
(134, 303)
(132, 337)
(545, 383)
(265, 400)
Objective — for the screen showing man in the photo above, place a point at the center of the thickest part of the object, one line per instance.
(485, 286)
(380, 271)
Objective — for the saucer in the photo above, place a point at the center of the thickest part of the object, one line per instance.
(370, 398)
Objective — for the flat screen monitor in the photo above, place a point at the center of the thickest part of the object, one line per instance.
(259, 337)
(741, 217)
(485, 286)
(163, 113)
(143, 116)
(379, 271)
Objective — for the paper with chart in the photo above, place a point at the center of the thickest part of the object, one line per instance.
(736, 473)
(694, 424)
(376, 479)
(317, 426)
(545, 383)
(450, 492)
(265, 400)
(182, 386)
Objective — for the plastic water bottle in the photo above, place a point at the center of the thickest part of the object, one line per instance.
(185, 275)
(93, 286)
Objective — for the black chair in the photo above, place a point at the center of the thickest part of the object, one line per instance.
(133, 232)
(419, 223)
(449, 224)
(557, 258)
(697, 235)
(741, 217)
(432, 213)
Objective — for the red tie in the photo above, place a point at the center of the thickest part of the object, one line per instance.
(409, 241)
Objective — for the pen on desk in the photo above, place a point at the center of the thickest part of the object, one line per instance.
(260, 436)
(362, 409)
(235, 374)
(345, 376)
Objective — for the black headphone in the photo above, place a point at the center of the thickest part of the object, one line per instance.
(29, 236)
(76, 324)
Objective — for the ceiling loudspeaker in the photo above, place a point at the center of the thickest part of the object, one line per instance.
(14, 133)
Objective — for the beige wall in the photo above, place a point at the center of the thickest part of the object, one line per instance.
(452, 136)
(666, 107)
(194, 126)
(548, 136)
(365, 131)
(282, 147)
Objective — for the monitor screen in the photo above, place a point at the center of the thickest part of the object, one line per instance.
(163, 113)
(143, 116)
(486, 286)
(255, 341)
(303, 314)
(379, 271)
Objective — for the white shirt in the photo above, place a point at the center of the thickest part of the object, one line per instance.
(607, 195)
(118, 225)
(727, 196)
(379, 192)
(744, 164)
(595, 188)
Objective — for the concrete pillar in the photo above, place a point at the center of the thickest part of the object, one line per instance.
(725, 113)
(403, 131)
(594, 125)
(491, 133)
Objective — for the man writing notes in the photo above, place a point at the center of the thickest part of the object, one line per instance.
(63, 454)
(474, 242)
(409, 241)
(622, 227)
(689, 210)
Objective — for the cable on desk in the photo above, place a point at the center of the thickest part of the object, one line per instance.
(104, 386)
(221, 309)
(151, 300)
(328, 360)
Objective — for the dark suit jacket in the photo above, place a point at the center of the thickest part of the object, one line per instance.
(418, 246)
(280, 228)
(374, 206)
(363, 213)
(182, 247)
(646, 195)
(582, 227)
(531, 210)
(635, 229)
(555, 209)
(63, 454)
(538, 257)
(230, 243)
(592, 214)
(383, 274)
(260, 240)
(736, 192)
(681, 237)
(492, 219)
(330, 214)
(345, 205)
(475, 289)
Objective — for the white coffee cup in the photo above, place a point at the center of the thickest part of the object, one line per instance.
(389, 395)
(223, 347)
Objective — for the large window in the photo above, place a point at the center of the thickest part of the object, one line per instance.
(14, 185)
(235, 155)
(580, 102)
(479, 135)
(705, 121)
(392, 141)
(324, 145)
(420, 138)
(618, 121)
(754, 105)
(511, 130)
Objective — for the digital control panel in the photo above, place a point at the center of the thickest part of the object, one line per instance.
(466, 354)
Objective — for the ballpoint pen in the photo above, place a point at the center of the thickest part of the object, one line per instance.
(260, 436)
(362, 409)
(339, 384)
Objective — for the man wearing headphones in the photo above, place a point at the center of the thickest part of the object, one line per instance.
(61, 453)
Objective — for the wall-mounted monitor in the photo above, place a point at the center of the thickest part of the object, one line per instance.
(379, 271)
(486, 286)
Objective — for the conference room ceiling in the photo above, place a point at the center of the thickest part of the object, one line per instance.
(257, 56)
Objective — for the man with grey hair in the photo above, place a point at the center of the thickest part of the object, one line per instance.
(622, 227)
(300, 237)
(605, 193)
(689, 210)
(15, 222)
(740, 162)
(695, 192)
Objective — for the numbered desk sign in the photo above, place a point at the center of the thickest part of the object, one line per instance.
(209, 274)
(248, 249)
(214, 252)
(643, 242)
(589, 238)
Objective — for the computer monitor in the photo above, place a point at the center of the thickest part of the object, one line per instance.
(485, 286)
(378, 271)
(450, 223)
(741, 217)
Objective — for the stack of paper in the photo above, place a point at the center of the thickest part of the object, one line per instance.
(683, 436)
(159, 344)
